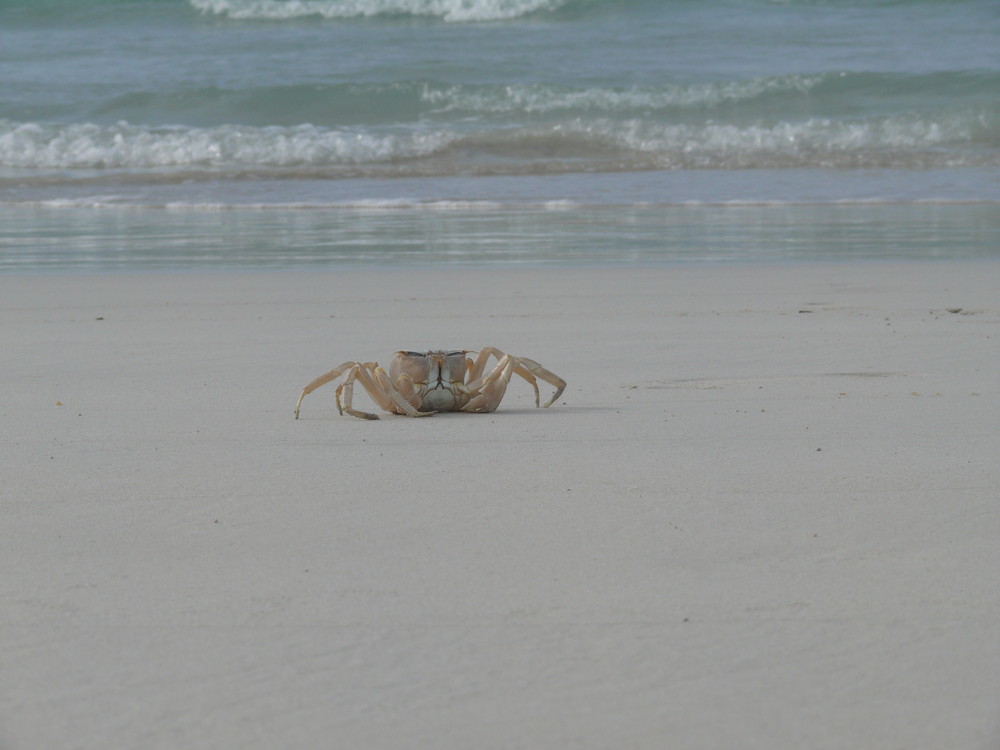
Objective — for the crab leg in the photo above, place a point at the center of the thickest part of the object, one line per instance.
(528, 369)
(335, 373)
(479, 366)
(361, 373)
(548, 376)
(529, 377)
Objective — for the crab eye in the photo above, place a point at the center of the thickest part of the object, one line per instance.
(414, 354)
(457, 353)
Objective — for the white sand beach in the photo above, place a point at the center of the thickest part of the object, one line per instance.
(764, 513)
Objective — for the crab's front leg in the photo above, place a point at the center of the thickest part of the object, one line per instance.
(477, 368)
(402, 393)
(493, 385)
(489, 390)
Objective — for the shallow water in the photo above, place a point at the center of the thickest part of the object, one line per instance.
(39, 239)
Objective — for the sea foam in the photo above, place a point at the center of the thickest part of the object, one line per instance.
(595, 143)
(446, 10)
(126, 146)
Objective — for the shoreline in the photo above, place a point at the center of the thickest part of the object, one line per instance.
(486, 238)
(760, 515)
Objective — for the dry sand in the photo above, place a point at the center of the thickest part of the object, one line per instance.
(763, 515)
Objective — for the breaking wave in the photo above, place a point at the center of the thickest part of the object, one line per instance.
(125, 146)
(446, 10)
(574, 144)
(824, 120)
(453, 11)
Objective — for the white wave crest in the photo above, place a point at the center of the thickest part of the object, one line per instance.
(575, 144)
(541, 98)
(125, 146)
(897, 141)
(447, 10)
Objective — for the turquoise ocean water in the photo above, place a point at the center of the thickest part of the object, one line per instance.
(203, 134)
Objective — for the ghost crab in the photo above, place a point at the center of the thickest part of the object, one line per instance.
(419, 384)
